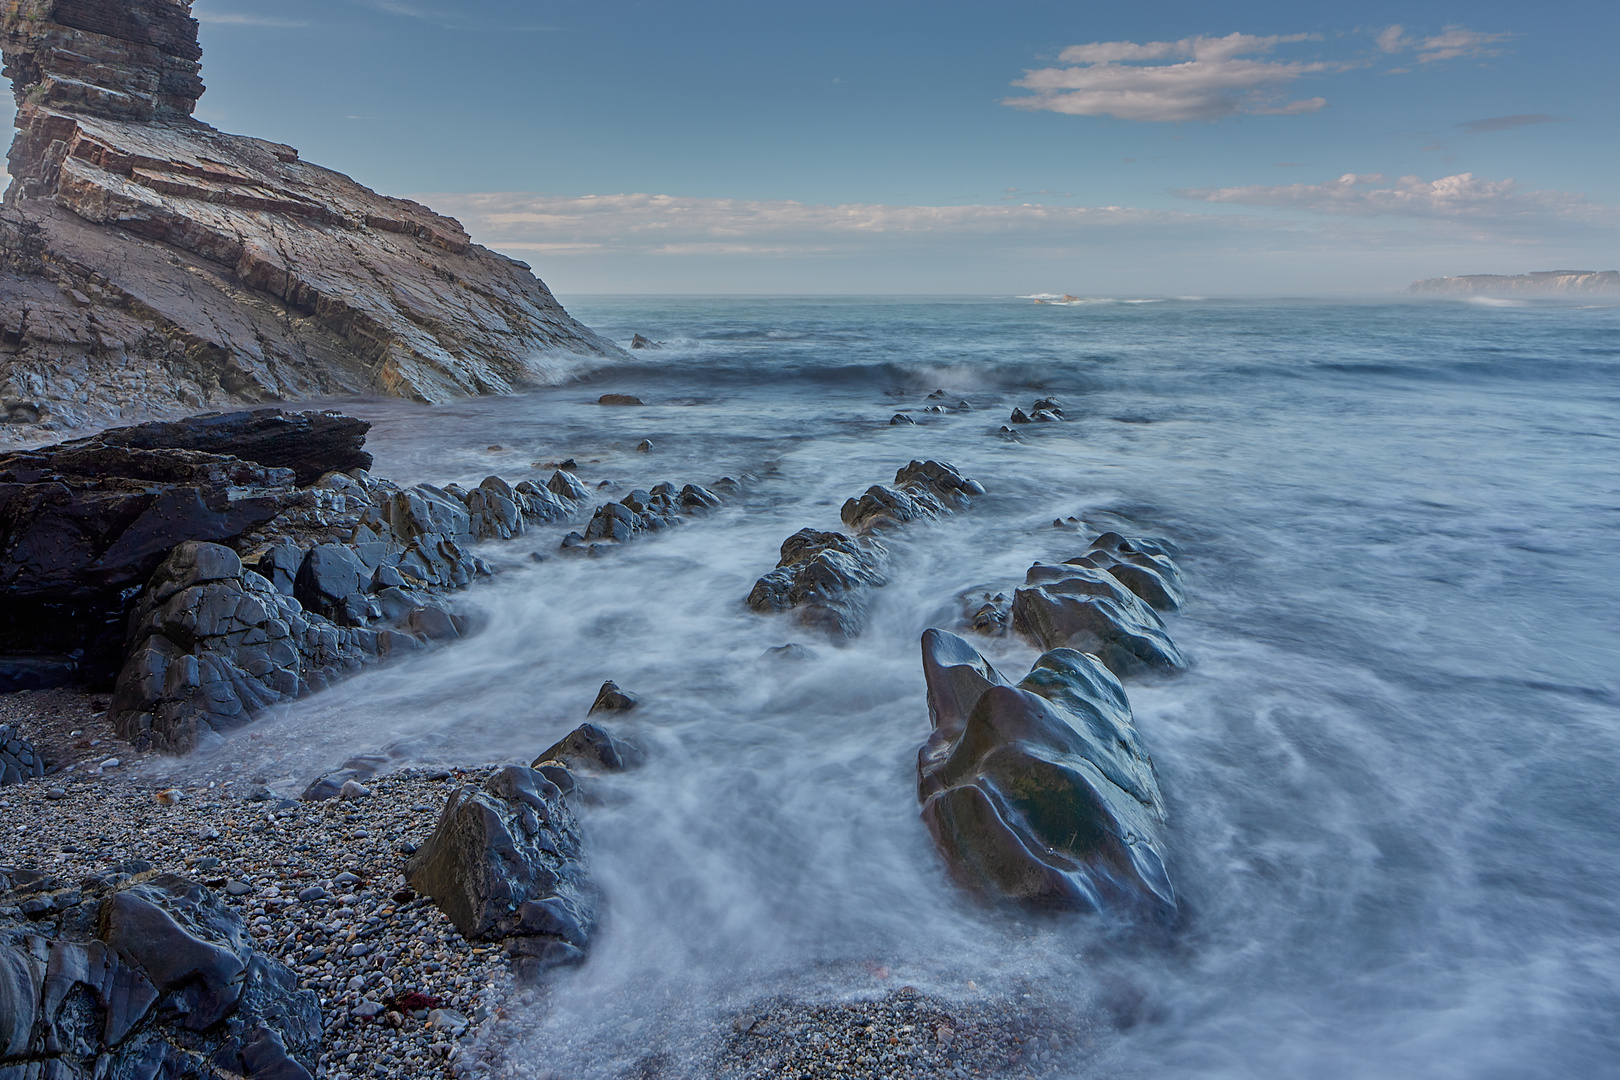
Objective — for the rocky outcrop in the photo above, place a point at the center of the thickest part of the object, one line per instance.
(1042, 791)
(1141, 564)
(151, 264)
(505, 864)
(591, 747)
(1539, 283)
(825, 577)
(642, 511)
(207, 587)
(142, 975)
(19, 760)
(1083, 608)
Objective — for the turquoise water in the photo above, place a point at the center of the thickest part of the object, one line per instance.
(1392, 772)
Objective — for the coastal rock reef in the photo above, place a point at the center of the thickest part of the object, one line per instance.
(152, 265)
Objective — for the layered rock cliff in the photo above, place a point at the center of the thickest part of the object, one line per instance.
(1540, 283)
(150, 264)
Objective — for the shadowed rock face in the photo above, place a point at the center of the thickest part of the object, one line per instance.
(151, 264)
(1041, 791)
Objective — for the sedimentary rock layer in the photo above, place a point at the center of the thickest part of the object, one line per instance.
(151, 264)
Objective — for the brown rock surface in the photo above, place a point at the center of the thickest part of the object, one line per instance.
(151, 265)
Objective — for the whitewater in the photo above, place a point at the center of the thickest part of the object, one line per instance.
(1391, 770)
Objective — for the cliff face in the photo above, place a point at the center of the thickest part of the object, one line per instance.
(150, 264)
(1541, 283)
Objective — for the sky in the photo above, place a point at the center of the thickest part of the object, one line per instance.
(891, 146)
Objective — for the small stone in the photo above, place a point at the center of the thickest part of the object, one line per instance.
(353, 789)
(238, 888)
(110, 763)
(944, 1035)
(55, 793)
(367, 1007)
(314, 892)
(448, 1019)
(347, 878)
(169, 797)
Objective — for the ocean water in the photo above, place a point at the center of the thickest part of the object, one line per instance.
(1392, 772)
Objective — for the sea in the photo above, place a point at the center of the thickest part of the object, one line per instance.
(1392, 769)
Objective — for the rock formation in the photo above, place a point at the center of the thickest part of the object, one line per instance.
(1041, 792)
(140, 975)
(19, 760)
(150, 264)
(1083, 608)
(505, 864)
(824, 577)
(1539, 283)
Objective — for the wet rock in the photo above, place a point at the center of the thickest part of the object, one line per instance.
(591, 747)
(19, 760)
(1019, 417)
(923, 489)
(821, 577)
(639, 342)
(1083, 608)
(644, 446)
(162, 979)
(986, 612)
(611, 699)
(330, 575)
(619, 399)
(900, 418)
(695, 499)
(1042, 791)
(505, 864)
(791, 652)
(1142, 565)
(567, 486)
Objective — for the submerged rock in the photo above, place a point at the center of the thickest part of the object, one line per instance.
(1042, 791)
(505, 863)
(1083, 608)
(145, 976)
(149, 263)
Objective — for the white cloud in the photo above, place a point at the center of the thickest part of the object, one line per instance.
(1452, 43)
(1463, 198)
(1214, 79)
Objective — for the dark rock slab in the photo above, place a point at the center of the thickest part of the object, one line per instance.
(311, 444)
(1084, 608)
(1041, 792)
(505, 863)
(144, 976)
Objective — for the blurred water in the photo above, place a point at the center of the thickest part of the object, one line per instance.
(1391, 773)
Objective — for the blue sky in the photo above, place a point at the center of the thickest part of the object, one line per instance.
(1097, 148)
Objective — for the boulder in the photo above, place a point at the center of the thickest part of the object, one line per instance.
(619, 399)
(590, 747)
(566, 486)
(611, 699)
(822, 576)
(505, 863)
(19, 760)
(145, 975)
(1084, 608)
(311, 444)
(1041, 792)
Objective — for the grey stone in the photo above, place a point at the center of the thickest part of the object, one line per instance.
(1087, 609)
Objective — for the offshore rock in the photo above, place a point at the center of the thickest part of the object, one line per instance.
(505, 863)
(1142, 565)
(151, 264)
(1083, 608)
(822, 576)
(141, 975)
(1041, 792)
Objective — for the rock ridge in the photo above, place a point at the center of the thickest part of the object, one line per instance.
(1537, 283)
(151, 265)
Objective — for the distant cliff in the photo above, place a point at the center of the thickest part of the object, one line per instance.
(150, 264)
(1541, 283)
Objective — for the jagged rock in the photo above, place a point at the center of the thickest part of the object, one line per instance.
(822, 576)
(899, 419)
(639, 342)
(611, 699)
(589, 746)
(694, 499)
(1087, 609)
(1041, 792)
(505, 863)
(1020, 417)
(565, 485)
(941, 480)
(18, 759)
(923, 489)
(152, 263)
(1142, 565)
(986, 612)
(145, 976)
